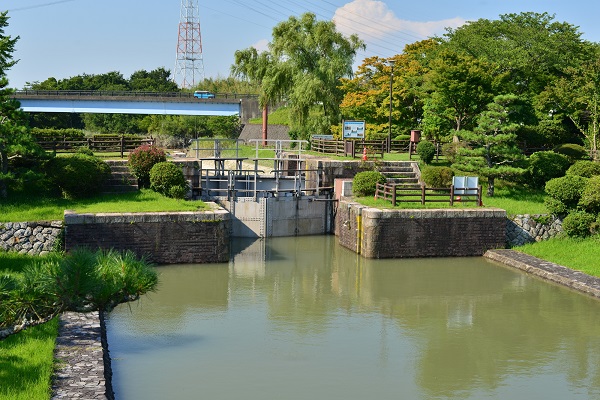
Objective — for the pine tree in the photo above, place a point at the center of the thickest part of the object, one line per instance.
(492, 151)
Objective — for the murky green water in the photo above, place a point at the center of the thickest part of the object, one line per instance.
(302, 318)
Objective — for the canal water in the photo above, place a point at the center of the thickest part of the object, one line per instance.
(304, 318)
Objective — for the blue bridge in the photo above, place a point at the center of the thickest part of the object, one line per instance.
(114, 102)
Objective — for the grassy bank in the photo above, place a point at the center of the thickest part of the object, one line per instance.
(26, 359)
(579, 254)
(29, 208)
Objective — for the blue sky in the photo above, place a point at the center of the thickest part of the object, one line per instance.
(64, 38)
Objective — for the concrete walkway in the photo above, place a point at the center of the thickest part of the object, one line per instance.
(79, 351)
(548, 270)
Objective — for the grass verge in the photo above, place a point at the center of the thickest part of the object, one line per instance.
(26, 359)
(27, 208)
(579, 254)
(26, 363)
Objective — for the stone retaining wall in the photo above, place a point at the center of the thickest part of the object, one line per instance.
(377, 233)
(33, 238)
(165, 238)
(522, 229)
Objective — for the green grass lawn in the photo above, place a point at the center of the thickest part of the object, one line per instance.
(26, 359)
(26, 363)
(580, 254)
(27, 208)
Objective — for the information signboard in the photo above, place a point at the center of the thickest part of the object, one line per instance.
(354, 129)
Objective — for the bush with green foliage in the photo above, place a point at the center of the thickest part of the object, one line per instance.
(546, 165)
(590, 198)
(402, 137)
(573, 151)
(451, 149)
(365, 183)
(578, 224)
(585, 168)
(141, 161)
(78, 176)
(48, 134)
(437, 177)
(564, 193)
(167, 178)
(426, 151)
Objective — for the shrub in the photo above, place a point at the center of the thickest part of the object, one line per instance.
(402, 137)
(450, 150)
(573, 151)
(546, 165)
(426, 151)
(590, 198)
(57, 134)
(85, 150)
(584, 168)
(78, 176)
(564, 193)
(167, 178)
(365, 183)
(437, 177)
(141, 161)
(578, 224)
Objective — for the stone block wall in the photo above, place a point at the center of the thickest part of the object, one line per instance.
(33, 238)
(523, 229)
(164, 238)
(376, 233)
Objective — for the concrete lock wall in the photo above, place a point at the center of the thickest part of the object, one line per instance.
(165, 238)
(376, 233)
(279, 216)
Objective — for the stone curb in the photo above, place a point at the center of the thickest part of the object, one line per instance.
(550, 271)
(83, 370)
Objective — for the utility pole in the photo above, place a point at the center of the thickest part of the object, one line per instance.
(189, 66)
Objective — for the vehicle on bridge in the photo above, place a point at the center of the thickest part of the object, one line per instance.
(203, 94)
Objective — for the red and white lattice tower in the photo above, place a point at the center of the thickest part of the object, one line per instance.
(189, 66)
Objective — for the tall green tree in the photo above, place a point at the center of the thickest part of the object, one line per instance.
(460, 88)
(493, 151)
(529, 49)
(14, 136)
(577, 96)
(304, 64)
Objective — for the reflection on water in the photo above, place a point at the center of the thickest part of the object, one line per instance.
(303, 318)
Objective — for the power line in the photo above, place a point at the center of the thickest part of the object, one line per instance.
(53, 3)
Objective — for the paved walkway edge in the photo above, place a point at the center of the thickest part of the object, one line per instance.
(547, 270)
(83, 370)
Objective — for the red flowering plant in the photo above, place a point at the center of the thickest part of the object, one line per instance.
(141, 161)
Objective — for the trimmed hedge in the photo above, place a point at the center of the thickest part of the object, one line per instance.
(437, 177)
(50, 134)
(546, 165)
(564, 193)
(573, 151)
(167, 179)
(584, 168)
(426, 151)
(365, 183)
(78, 176)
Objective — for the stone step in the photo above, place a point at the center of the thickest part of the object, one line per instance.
(411, 181)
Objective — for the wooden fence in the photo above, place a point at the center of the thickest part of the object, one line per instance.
(115, 143)
(399, 193)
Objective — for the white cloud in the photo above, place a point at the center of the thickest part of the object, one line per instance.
(372, 19)
(261, 45)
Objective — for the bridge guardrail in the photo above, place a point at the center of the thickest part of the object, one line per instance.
(114, 93)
